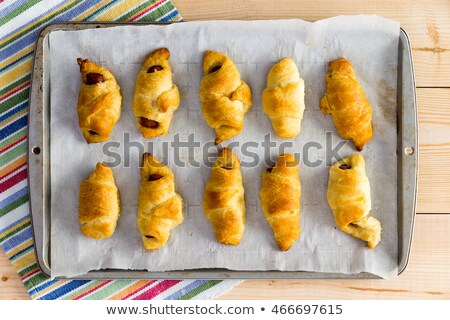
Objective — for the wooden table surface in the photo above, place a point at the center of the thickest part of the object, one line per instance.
(428, 26)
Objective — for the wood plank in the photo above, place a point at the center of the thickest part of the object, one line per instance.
(11, 287)
(426, 22)
(426, 277)
(434, 153)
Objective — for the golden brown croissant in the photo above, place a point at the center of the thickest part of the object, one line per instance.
(99, 203)
(99, 102)
(223, 201)
(225, 97)
(349, 197)
(160, 209)
(345, 101)
(284, 98)
(155, 96)
(280, 200)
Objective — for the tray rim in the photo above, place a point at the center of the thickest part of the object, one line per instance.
(37, 92)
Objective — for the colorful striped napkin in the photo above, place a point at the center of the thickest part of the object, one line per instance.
(20, 23)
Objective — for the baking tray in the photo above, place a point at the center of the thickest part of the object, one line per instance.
(39, 170)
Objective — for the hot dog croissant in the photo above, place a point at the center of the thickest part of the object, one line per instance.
(223, 201)
(160, 209)
(280, 200)
(99, 102)
(225, 97)
(345, 101)
(284, 98)
(99, 203)
(155, 96)
(349, 197)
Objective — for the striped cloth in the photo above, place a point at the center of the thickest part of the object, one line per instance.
(20, 23)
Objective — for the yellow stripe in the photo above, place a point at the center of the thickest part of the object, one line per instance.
(17, 55)
(50, 288)
(118, 10)
(24, 261)
(90, 11)
(25, 30)
(16, 73)
(126, 291)
(9, 120)
(17, 226)
(10, 167)
(19, 248)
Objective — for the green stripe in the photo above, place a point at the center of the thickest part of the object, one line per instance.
(81, 290)
(131, 13)
(27, 270)
(200, 289)
(20, 9)
(14, 100)
(48, 18)
(14, 137)
(13, 153)
(101, 10)
(15, 231)
(110, 288)
(157, 13)
(16, 83)
(35, 280)
(13, 205)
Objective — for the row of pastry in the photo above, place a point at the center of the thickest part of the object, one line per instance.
(160, 208)
(224, 96)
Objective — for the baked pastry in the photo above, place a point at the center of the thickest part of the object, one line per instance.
(345, 101)
(99, 102)
(349, 197)
(284, 98)
(225, 97)
(155, 96)
(99, 203)
(280, 200)
(160, 209)
(223, 201)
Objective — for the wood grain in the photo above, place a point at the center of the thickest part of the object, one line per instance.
(426, 22)
(426, 276)
(11, 287)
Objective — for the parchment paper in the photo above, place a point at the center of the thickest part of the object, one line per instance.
(369, 42)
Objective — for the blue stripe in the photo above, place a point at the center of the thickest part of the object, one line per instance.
(17, 109)
(69, 286)
(13, 127)
(169, 16)
(13, 197)
(32, 21)
(14, 223)
(11, 7)
(185, 289)
(89, 17)
(17, 239)
(44, 285)
(31, 37)
(20, 252)
(29, 54)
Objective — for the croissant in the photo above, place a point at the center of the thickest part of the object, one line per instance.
(160, 209)
(99, 102)
(284, 98)
(99, 203)
(225, 97)
(223, 201)
(280, 200)
(349, 197)
(155, 96)
(345, 101)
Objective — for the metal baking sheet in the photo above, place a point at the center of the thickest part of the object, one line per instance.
(40, 189)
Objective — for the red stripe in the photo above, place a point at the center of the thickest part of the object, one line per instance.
(6, 95)
(9, 146)
(146, 10)
(156, 290)
(92, 290)
(12, 171)
(5, 185)
(30, 274)
(150, 282)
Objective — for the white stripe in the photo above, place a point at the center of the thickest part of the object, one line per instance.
(160, 18)
(175, 288)
(143, 290)
(26, 16)
(217, 290)
(12, 173)
(72, 291)
(13, 190)
(15, 215)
